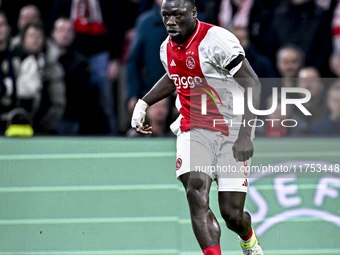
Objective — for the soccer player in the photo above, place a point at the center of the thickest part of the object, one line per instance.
(206, 65)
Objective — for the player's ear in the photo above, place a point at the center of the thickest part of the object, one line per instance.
(194, 13)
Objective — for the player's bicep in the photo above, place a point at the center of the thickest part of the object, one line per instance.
(244, 74)
(164, 84)
(168, 82)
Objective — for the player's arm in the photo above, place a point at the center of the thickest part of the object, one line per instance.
(162, 89)
(243, 147)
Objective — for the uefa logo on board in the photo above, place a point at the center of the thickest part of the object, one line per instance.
(307, 195)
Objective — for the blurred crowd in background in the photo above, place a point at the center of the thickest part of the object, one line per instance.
(77, 67)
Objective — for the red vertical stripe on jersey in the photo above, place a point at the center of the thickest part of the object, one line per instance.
(189, 80)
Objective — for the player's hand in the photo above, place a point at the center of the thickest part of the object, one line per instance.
(243, 149)
(138, 117)
(146, 130)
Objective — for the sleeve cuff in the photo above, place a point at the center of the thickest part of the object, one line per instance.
(235, 62)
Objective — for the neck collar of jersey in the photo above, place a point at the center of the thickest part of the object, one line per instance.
(186, 44)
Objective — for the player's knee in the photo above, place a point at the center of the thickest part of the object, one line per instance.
(197, 193)
(195, 183)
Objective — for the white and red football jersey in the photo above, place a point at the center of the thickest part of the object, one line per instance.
(204, 65)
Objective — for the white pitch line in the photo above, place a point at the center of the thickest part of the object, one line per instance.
(90, 188)
(107, 155)
(106, 220)
(88, 220)
(127, 187)
(114, 155)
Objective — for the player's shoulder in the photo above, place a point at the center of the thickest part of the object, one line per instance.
(217, 39)
(220, 33)
(163, 49)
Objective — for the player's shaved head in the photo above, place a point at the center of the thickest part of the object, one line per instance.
(192, 2)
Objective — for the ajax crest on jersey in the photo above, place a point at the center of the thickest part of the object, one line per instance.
(190, 62)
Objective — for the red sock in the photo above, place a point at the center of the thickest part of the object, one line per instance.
(213, 250)
(245, 238)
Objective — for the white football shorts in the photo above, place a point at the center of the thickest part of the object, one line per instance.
(210, 152)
